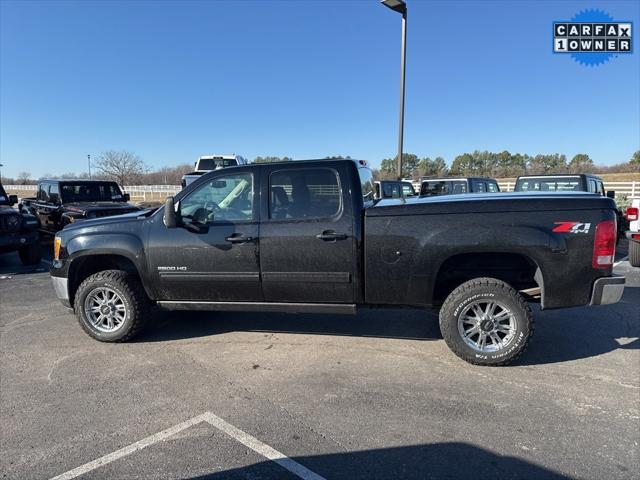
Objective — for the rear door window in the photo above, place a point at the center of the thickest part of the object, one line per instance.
(407, 190)
(480, 187)
(304, 194)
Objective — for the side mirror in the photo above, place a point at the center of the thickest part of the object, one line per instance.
(127, 197)
(611, 194)
(169, 217)
(13, 199)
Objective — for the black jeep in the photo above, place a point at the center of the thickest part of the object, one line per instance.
(18, 231)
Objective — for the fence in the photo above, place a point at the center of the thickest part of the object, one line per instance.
(157, 193)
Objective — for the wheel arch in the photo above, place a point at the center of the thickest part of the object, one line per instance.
(517, 269)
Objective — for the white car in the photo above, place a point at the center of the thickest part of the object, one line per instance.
(633, 215)
(208, 163)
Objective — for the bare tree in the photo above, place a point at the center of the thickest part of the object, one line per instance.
(23, 178)
(124, 167)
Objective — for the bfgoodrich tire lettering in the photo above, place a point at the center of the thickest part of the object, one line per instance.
(506, 330)
(130, 295)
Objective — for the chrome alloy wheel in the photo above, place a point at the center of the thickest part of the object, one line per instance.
(105, 309)
(487, 326)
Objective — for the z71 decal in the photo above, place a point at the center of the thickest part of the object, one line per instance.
(571, 227)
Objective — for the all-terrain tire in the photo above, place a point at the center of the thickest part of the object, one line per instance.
(31, 254)
(132, 294)
(476, 292)
(634, 253)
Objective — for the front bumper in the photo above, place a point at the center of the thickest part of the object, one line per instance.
(61, 287)
(607, 290)
(12, 241)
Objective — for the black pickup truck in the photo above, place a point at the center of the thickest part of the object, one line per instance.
(61, 202)
(308, 236)
(18, 231)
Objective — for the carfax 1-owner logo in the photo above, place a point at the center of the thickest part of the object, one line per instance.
(592, 37)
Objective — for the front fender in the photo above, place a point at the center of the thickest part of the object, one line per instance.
(126, 245)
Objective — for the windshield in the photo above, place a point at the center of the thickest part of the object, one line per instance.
(213, 163)
(4, 198)
(91, 192)
(549, 184)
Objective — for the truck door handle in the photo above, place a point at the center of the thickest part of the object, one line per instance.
(331, 236)
(239, 238)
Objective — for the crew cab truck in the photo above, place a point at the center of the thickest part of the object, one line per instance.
(62, 202)
(308, 236)
(18, 231)
(455, 186)
(207, 163)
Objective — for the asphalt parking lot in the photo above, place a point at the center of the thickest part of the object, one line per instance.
(265, 396)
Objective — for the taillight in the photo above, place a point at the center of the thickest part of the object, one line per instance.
(632, 214)
(604, 246)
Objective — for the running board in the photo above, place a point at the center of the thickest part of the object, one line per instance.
(337, 308)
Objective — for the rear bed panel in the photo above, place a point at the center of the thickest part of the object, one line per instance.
(403, 253)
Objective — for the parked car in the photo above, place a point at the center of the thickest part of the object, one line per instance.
(394, 189)
(208, 163)
(633, 234)
(18, 231)
(453, 186)
(562, 183)
(583, 182)
(307, 236)
(62, 202)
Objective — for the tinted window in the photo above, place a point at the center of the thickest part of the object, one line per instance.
(213, 163)
(481, 187)
(54, 193)
(43, 195)
(548, 185)
(90, 192)
(492, 187)
(458, 187)
(434, 188)
(407, 190)
(228, 198)
(304, 194)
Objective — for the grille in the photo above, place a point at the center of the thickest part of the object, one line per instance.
(10, 226)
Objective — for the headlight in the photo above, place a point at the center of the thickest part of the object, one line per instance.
(56, 248)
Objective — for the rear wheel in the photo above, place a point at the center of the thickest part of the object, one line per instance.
(486, 322)
(634, 253)
(31, 254)
(111, 306)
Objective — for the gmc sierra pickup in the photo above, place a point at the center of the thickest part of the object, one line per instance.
(308, 236)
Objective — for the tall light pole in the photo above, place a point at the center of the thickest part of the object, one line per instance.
(89, 162)
(400, 7)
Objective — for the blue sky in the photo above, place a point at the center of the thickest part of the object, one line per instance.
(174, 80)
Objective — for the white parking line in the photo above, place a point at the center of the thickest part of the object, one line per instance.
(262, 448)
(208, 417)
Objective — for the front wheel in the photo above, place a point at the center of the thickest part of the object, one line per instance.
(111, 306)
(486, 322)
